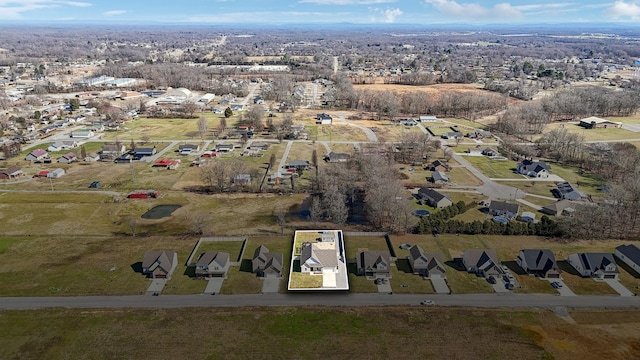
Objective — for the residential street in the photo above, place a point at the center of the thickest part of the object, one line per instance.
(320, 299)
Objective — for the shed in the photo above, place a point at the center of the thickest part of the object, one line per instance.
(56, 173)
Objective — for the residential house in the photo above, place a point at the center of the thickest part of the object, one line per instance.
(482, 262)
(112, 151)
(567, 191)
(261, 146)
(11, 173)
(266, 264)
(82, 134)
(489, 151)
(37, 155)
(538, 262)
(159, 264)
(298, 165)
(335, 157)
(56, 173)
(212, 264)
(188, 149)
(630, 255)
(374, 264)
(67, 158)
(224, 147)
(475, 151)
(318, 258)
(452, 135)
(437, 165)
(324, 119)
(62, 145)
(427, 118)
(425, 264)
(92, 157)
(139, 153)
(438, 177)
(408, 122)
(501, 208)
(596, 122)
(428, 196)
(595, 265)
(560, 207)
(536, 169)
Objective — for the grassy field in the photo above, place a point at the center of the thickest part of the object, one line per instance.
(440, 130)
(353, 244)
(594, 134)
(319, 333)
(493, 168)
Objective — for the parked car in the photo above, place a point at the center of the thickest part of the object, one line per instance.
(508, 286)
(491, 280)
(427, 302)
(556, 285)
(94, 185)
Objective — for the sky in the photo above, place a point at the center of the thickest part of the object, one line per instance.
(247, 12)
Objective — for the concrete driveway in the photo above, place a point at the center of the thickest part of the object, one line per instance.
(500, 286)
(440, 285)
(270, 285)
(618, 287)
(563, 290)
(213, 286)
(631, 127)
(156, 286)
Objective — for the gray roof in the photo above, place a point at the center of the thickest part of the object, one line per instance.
(632, 252)
(569, 192)
(374, 261)
(598, 261)
(439, 176)
(482, 259)
(422, 260)
(539, 260)
(209, 257)
(431, 194)
(158, 261)
(319, 256)
(558, 207)
(504, 206)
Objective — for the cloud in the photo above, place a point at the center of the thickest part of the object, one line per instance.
(114, 12)
(387, 16)
(623, 10)
(269, 17)
(499, 12)
(347, 2)
(13, 9)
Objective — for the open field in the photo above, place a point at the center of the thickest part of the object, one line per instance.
(494, 168)
(594, 134)
(439, 130)
(429, 89)
(285, 333)
(353, 244)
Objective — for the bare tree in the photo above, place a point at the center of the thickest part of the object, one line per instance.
(198, 223)
(189, 108)
(132, 224)
(315, 210)
(334, 201)
(281, 218)
(202, 127)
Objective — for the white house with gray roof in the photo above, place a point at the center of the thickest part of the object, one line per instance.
(594, 265)
(630, 255)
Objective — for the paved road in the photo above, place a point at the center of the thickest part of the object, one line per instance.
(323, 299)
(283, 160)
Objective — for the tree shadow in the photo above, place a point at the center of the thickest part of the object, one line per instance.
(137, 267)
(404, 266)
(456, 264)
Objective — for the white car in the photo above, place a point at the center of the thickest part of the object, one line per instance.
(427, 302)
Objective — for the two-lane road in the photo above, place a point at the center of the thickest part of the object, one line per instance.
(319, 299)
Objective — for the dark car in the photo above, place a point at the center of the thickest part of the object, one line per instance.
(491, 280)
(94, 185)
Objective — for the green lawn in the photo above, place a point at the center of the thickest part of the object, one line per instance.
(231, 247)
(353, 244)
(493, 168)
(439, 130)
(595, 134)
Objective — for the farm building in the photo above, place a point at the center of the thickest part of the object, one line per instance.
(56, 173)
(11, 173)
(37, 155)
(596, 122)
(143, 194)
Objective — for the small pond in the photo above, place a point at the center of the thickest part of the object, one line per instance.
(160, 211)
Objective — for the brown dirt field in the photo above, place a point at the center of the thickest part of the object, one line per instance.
(431, 89)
